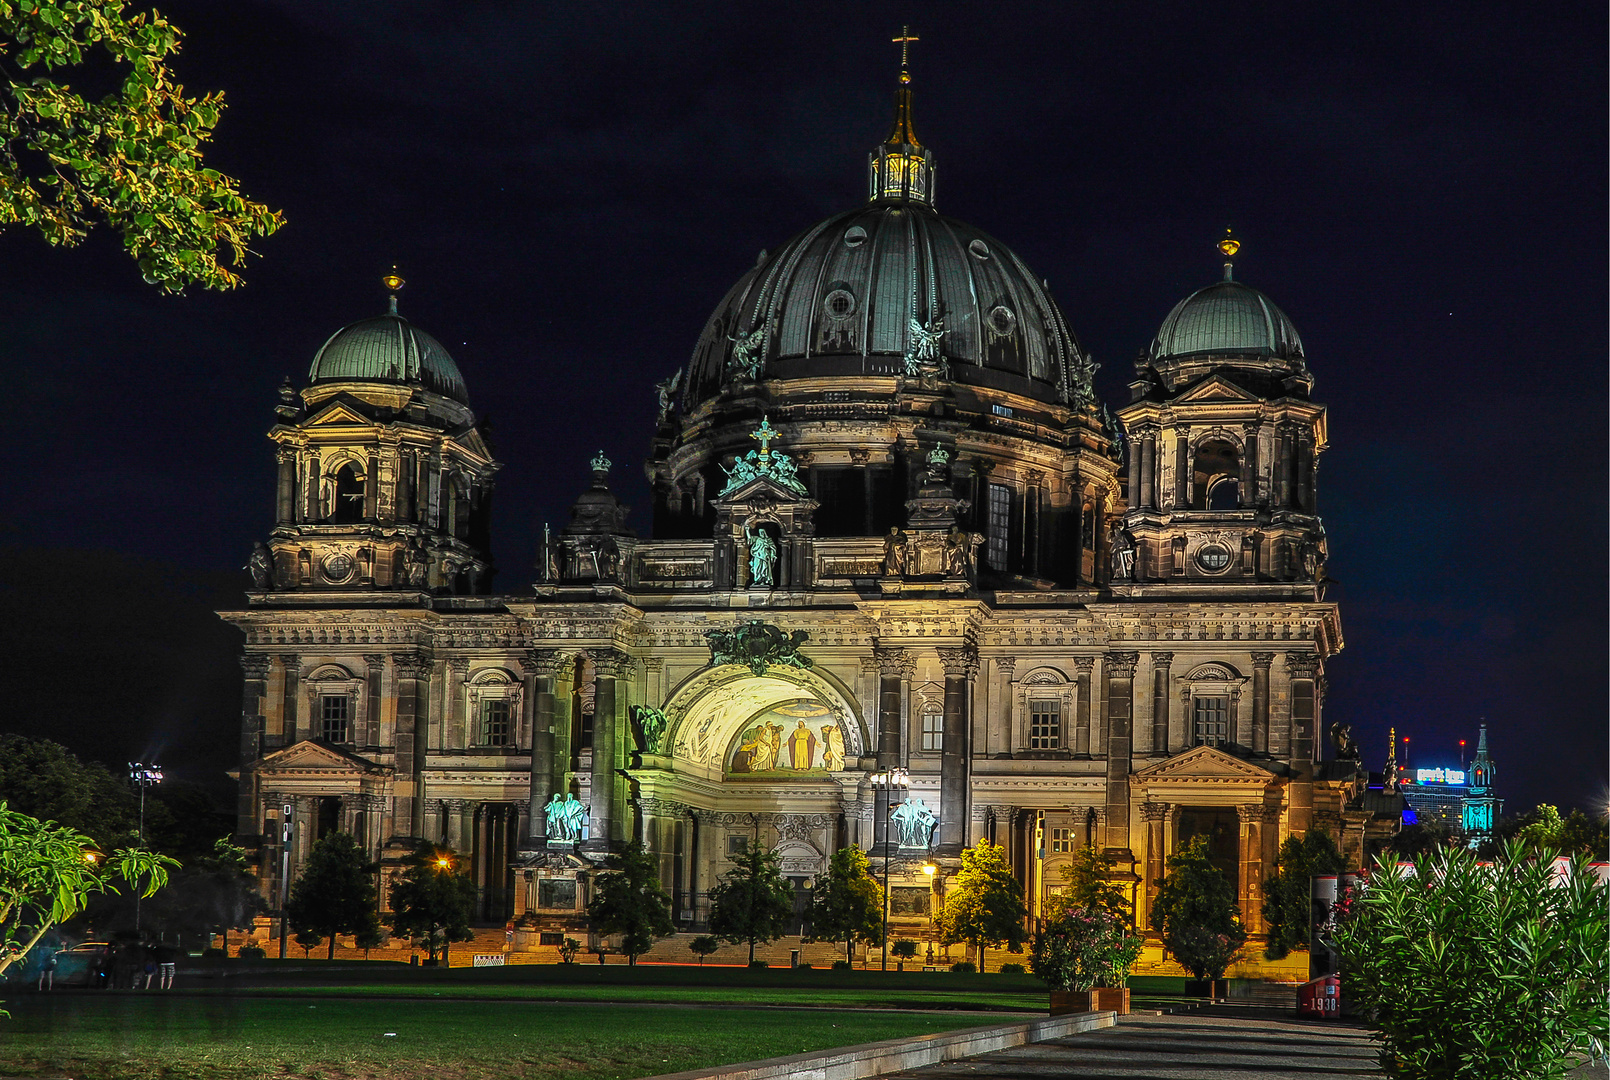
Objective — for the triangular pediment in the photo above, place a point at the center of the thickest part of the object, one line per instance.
(1204, 763)
(1215, 388)
(307, 756)
(762, 489)
(339, 414)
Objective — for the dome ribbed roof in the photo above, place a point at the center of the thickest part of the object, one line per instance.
(388, 348)
(1227, 318)
(840, 298)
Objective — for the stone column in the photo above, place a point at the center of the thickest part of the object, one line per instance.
(1160, 702)
(1001, 720)
(610, 667)
(248, 822)
(368, 721)
(1134, 472)
(1260, 701)
(543, 670)
(1148, 468)
(371, 486)
(1285, 449)
(285, 489)
(1182, 471)
(1303, 459)
(893, 667)
(1249, 466)
(1081, 716)
(1155, 814)
(1249, 890)
(1304, 670)
(955, 760)
(1119, 668)
(454, 705)
(413, 675)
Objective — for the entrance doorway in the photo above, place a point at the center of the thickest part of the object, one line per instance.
(1222, 829)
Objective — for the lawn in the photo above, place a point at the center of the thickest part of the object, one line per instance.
(101, 1036)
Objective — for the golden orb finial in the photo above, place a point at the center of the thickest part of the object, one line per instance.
(1229, 245)
(393, 281)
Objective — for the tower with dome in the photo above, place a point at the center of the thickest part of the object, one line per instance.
(909, 585)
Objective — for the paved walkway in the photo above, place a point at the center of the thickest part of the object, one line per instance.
(1221, 1043)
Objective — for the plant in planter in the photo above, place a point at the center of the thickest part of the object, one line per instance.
(1080, 949)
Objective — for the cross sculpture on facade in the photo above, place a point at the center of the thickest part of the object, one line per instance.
(764, 434)
(904, 41)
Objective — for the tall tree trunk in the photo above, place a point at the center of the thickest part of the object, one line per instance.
(751, 952)
(331, 954)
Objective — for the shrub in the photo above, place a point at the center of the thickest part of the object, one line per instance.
(252, 952)
(1494, 971)
(903, 949)
(802, 966)
(759, 964)
(1011, 969)
(1082, 948)
(843, 965)
(703, 946)
(1286, 899)
(568, 950)
(1196, 915)
(212, 952)
(964, 967)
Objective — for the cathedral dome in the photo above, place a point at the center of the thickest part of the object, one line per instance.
(1227, 319)
(388, 348)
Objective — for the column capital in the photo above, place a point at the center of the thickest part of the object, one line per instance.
(1121, 665)
(613, 664)
(1262, 659)
(870, 665)
(411, 665)
(1084, 664)
(546, 663)
(963, 661)
(1154, 811)
(374, 661)
(460, 667)
(1302, 665)
(256, 665)
(1162, 659)
(1008, 665)
(653, 665)
(1250, 813)
(892, 661)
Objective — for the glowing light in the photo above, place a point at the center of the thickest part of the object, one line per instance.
(930, 869)
(1439, 776)
(444, 862)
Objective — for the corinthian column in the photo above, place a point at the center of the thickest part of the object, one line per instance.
(543, 668)
(961, 665)
(610, 667)
(1120, 671)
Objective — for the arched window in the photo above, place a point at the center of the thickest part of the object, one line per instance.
(1216, 476)
(347, 495)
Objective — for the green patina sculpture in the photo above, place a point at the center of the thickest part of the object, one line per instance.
(757, 645)
(651, 725)
(773, 464)
(762, 560)
(600, 463)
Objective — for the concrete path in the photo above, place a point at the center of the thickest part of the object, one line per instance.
(1248, 1042)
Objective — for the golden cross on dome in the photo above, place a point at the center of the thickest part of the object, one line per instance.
(904, 41)
(764, 434)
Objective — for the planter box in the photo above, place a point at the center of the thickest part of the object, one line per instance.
(1072, 1001)
(1112, 999)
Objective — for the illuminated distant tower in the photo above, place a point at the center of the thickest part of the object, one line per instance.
(1481, 807)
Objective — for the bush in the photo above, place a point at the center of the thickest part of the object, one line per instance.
(1011, 969)
(843, 965)
(802, 966)
(568, 950)
(759, 964)
(703, 946)
(213, 952)
(964, 967)
(903, 949)
(1494, 971)
(252, 952)
(1196, 915)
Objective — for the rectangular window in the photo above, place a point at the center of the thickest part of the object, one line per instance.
(1045, 725)
(998, 526)
(1210, 717)
(335, 718)
(933, 731)
(495, 722)
(1001, 410)
(836, 395)
(737, 845)
(551, 937)
(557, 893)
(1061, 840)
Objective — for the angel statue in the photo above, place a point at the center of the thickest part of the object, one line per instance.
(261, 567)
(749, 353)
(923, 350)
(666, 390)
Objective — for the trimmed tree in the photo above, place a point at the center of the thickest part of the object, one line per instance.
(335, 893)
(629, 901)
(1196, 915)
(984, 906)
(752, 903)
(847, 904)
(703, 946)
(1480, 969)
(130, 160)
(1287, 895)
(432, 900)
(1089, 885)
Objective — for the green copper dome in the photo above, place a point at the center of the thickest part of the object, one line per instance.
(1227, 319)
(387, 348)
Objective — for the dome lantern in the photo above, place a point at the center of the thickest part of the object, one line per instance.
(901, 169)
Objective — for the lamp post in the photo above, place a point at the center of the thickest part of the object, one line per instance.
(885, 782)
(930, 870)
(143, 775)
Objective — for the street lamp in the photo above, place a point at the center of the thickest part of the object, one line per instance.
(930, 870)
(885, 782)
(144, 775)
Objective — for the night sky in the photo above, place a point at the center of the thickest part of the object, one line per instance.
(570, 189)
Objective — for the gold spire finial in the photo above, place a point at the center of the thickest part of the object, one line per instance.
(393, 283)
(904, 41)
(1229, 245)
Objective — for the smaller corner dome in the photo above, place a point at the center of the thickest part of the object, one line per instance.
(388, 348)
(1227, 319)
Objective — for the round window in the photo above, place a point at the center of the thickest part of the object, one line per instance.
(1213, 557)
(1001, 320)
(839, 304)
(854, 236)
(337, 566)
(979, 249)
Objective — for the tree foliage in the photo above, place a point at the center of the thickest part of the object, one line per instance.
(210, 895)
(984, 907)
(432, 900)
(1494, 971)
(847, 904)
(702, 946)
(1089, 884)
(628, 900)
(751, 903)
(48, 873)
(1195, 912)
(45, 780)
(1287, 895)
(130, 159)
(335, 893)
(1420, 838)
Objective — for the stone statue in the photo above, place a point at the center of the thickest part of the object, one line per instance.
(651, 722)
(922, 352)
(749, 353)
(762, 559)
(575, 819)
(665, 390)
(894, 553)
(417, 564)
(1313, 562)
(915, 823)
(956, 548)
(1341, 736)
(554, 815)
(1123, 554)
(261, 567)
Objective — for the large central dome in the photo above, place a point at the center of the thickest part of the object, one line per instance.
(893, 288)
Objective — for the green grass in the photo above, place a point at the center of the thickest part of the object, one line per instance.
(101, 1036)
